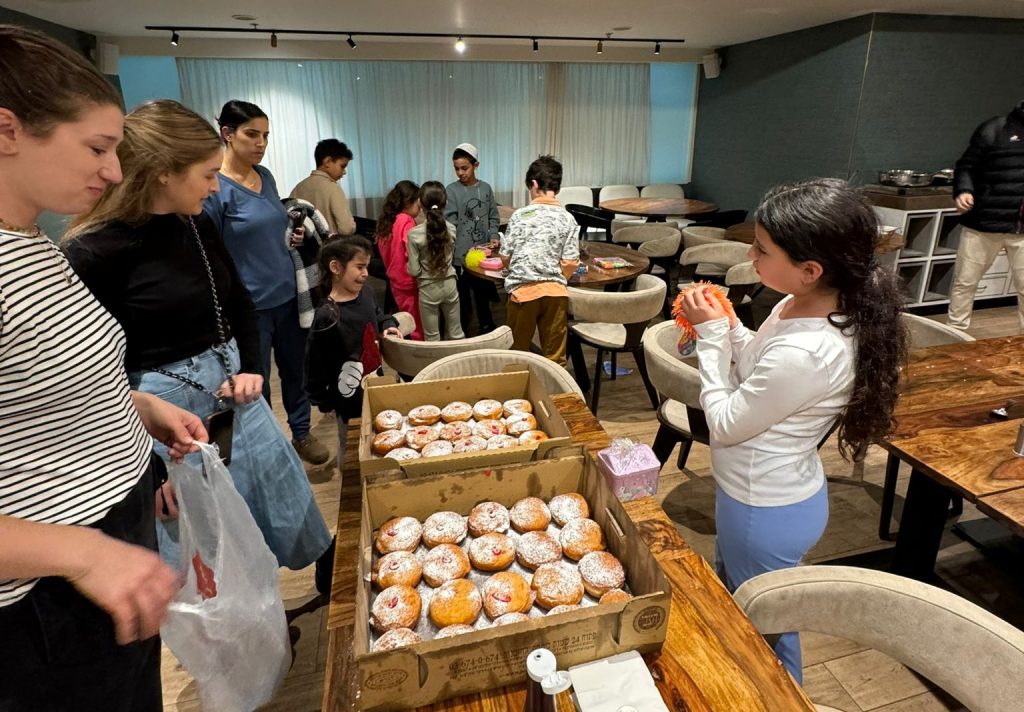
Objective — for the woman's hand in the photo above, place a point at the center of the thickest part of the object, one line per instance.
(297, 236)
(248, 388)
(698, 309)
(173, 426)
(392, 331)
(166, 502)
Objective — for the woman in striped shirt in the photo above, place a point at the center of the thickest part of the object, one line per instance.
(82, 593)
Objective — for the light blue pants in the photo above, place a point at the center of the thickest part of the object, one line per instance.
(754, 540)
(264, 466)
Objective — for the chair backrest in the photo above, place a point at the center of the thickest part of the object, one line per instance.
(576, 194)
(410, 357)
(926, 332)
(671, 376)
(962, 648)
(662, 190)
(635, 234)
(696, 235)
(474, 363)
(724, 253)
(662, 247)
(613, 192)
(639, 305)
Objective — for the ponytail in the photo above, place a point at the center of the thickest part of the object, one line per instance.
(433, 198)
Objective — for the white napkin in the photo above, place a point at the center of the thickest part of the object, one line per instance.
(611, 684)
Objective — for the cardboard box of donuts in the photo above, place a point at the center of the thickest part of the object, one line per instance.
(452, 424)
(462, 575)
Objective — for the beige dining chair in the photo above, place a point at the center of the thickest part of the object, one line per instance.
(591, 309)
(474, 363)
(921, 333)
(973, 655)
(576, 195)
(662, 254)
(713, 259)
(666, 190)
(408, 357)
(616, 192)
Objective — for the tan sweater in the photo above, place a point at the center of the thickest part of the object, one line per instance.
(327, 197)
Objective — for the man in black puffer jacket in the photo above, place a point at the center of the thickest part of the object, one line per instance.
(989, 190)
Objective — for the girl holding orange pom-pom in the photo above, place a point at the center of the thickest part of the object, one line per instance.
(829, 351)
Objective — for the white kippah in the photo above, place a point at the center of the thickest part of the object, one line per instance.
(470, 149)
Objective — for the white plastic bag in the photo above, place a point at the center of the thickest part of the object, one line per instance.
(227, 624)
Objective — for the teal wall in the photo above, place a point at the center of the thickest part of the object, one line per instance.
(673, 109)
(146, 78)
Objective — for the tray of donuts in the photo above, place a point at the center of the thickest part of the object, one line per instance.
(461, 573)
(441, 426)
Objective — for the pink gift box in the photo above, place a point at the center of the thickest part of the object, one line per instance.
(631, 469)
(491, 263)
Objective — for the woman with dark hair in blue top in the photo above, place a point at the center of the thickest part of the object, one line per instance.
(255, 228)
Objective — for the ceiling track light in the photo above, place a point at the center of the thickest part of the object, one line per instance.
(657, 47)
(351, 42)
(460, 45)
(600, 46)
(536, 45)
(174, 38)
(273, 39)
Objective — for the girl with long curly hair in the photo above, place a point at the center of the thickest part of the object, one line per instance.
(397, 218)
(829, 352)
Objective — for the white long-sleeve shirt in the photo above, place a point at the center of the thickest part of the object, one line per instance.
(769, 397)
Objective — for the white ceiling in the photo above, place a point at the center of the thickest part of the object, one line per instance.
(702, 23)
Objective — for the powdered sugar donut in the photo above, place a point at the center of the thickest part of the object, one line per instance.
(386, 441)
(399, 534)
(456, 411)
(516, 405)
(470, 444)
(397, 638)
(424, 415)
(615, 596)
(536, 548)
(445, 562)
(437, 448)
(518, 423)
(403, 453)
(579, 537)
(453, 630)
(455, 602)
(397, 568)
(492, 551)
(388, 420)
(506, 592)
(529, 514)
(601, 572)
(488, 517)
(456, 430)
(532, 436)
(444, 528)
(419, 436)
(563, 609)
(510, 618)
(486, 409)
(500, 442)
(395, 607)
(557, 584)
(488, 428)
(566, 507)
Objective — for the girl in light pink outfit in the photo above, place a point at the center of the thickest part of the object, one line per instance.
(397, 218)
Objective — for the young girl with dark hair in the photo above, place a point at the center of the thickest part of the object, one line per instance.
(397, 218)
(829, 351)
(343, 342)
(430, 262)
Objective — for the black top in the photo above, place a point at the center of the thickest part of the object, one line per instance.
(151, 278)
(343, 346)
(992, 170)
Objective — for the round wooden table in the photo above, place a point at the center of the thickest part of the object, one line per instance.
(595, 276)
(657, 209)
(504, 213)
(743, 232)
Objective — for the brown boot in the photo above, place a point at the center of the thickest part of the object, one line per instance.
(312, 450)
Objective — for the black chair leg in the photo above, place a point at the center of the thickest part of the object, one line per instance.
(615, 364)
(956, 508)
(664, 442)
(892, 470)
(579, 364)
(596, 395)
(684, 451)
(641, 362)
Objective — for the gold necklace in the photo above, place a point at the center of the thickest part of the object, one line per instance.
(34, 231)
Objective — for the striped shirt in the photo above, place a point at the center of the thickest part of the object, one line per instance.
(71, 442)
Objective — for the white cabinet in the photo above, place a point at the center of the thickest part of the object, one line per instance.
(926, 261)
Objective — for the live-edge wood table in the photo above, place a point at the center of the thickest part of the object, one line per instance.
(713, 658)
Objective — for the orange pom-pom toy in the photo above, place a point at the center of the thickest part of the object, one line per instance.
(713, 293)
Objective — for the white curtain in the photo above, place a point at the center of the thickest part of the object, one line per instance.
(403, 119)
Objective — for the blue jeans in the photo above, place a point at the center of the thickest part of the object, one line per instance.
(280, 331)
(754, 540)
(264, 466)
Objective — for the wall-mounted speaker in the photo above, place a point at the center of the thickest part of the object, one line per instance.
(107, 56)
(712, 65)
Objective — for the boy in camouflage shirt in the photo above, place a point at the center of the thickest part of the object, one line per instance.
(541, 251)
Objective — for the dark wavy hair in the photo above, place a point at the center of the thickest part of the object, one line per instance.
(344, 250)
(404, 192)
(828, 221)
(440, 244)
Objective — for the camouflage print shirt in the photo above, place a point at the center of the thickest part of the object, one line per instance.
(539, 237)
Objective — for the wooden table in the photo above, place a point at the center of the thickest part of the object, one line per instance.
(713, 658)
(743, 232)
(595, 276)
(946, 432)
(504, 214)
(657, 209)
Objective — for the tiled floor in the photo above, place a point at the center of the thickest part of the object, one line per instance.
(837, 672)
